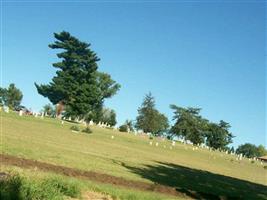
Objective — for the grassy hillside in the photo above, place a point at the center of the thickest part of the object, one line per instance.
(193, 172)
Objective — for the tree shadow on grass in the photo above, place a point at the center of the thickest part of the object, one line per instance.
(200, 184)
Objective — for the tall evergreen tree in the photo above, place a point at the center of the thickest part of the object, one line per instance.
(149, 119)
(11, 96)
(77, 84)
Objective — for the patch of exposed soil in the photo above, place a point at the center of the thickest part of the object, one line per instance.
(95, 196)
(89, 175)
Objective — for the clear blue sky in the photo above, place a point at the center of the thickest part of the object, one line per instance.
(209, 55)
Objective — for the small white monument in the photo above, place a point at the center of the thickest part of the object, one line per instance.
(20, 113)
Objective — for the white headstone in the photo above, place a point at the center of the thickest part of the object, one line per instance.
(6, 109)
(20, 113)
(157, 144)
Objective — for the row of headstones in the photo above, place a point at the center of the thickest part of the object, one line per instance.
(164, 146)
(42, 114)
(35, 114)
(238, 156)
(91, 123)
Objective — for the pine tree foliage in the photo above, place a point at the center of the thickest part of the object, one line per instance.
(149, 119)
(77, 84)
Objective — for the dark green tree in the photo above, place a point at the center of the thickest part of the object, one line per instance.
(218, 135)
(123, 128)
(49, 109)
(149, 119)
(108, 116)
(248, 150)
(2, 96)
(77, 84)
(11, 96)
(262, 151)
(232, 149)
(129, 124)
(189, 124)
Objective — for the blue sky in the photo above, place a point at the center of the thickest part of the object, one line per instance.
(208, 55)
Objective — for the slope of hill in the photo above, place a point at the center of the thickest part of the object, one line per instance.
(197, 173)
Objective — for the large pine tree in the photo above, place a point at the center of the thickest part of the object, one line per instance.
(77, 84)
(149, 119)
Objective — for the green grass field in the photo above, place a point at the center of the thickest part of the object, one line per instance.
(198, 173)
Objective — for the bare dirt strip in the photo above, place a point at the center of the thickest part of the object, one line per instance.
(89, 175)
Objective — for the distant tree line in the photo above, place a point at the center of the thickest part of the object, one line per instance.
(188, 125)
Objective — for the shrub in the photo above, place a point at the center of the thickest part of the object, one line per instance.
(37, 189)
(123, 128)
(67, 188)
(10, 187)
(16, 187)
(252, 161)
(265, 167)
(75, 128)
(87, 130)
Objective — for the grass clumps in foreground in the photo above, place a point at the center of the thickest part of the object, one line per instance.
(75, 128)
(17, 187)
(67, 188)
(87, 130)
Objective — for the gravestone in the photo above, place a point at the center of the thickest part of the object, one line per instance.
(20, 113)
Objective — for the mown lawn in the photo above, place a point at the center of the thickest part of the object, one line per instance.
(198, 173)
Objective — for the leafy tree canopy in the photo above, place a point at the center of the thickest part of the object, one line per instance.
(251, 150)
(149, 119)
(77, 84)
(11, 96)
(188, 124)
(108, 116)
(218, 135)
